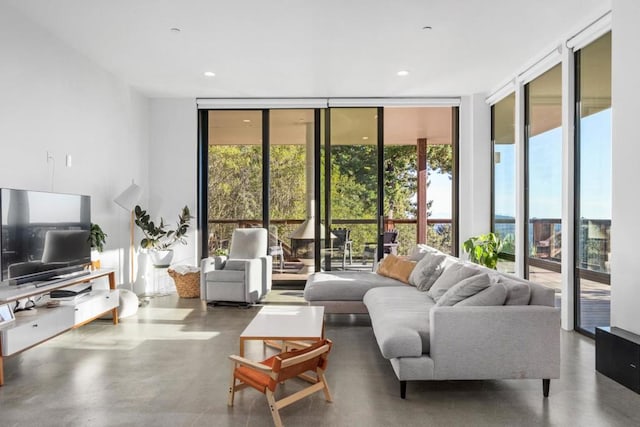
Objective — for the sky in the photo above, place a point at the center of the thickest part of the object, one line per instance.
(545, 172)
(440, 192)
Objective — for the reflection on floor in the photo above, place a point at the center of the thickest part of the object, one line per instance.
(168, 366)
(284, 296)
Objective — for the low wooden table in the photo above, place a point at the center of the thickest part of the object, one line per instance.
(285, 323)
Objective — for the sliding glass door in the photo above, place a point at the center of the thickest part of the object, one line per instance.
(593, 185)
(504, 179)
(235, 178)
(351, 188)
(337, 188)
(543, 192)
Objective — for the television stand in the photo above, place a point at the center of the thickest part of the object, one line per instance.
(29, 331)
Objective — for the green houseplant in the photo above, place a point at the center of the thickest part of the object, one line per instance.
(158, 238)
(97, 239)
(484, 249)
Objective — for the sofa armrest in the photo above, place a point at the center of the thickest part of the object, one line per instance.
(495, 342)
(206, 265)
(253, 276)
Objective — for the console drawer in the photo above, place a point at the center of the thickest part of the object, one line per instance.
(100, 301)
(28, 331)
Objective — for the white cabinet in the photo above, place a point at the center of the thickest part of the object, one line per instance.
(95, 304)
(31, 330)
(26, 331)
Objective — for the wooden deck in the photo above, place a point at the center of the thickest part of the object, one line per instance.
(595, 298)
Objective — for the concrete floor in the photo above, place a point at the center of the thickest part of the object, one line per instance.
(168, 366)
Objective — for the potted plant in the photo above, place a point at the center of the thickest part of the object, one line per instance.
(97, 239)
(158, 239)
(484, 249)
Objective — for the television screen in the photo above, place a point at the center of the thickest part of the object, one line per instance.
(43, 234)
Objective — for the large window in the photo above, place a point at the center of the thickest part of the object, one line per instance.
(363, 183)
(543, 193)
(504, 179)
(593, 184)
(235, 174)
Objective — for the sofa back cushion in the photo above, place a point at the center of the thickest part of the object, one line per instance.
(495, 294)
(396, 268)
(420, 250)
(464, 289)
(518, 290)
(452, 275)
(427, 270)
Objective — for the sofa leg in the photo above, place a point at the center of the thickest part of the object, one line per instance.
(403, 389)
(545, 387)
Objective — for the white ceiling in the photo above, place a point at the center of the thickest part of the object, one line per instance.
(297, 48)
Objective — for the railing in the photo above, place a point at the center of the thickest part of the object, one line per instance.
(363, 232)
(545, 246)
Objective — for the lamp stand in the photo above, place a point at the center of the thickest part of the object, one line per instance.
(131, 253)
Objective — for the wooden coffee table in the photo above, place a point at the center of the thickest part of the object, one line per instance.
(285, 323)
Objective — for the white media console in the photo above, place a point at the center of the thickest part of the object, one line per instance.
(27, 331)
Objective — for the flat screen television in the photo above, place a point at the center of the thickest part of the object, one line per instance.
(43, 235)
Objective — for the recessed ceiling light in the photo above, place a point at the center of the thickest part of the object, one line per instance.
(174, 30)
(209, 74)
(246, 121)
(402, 73)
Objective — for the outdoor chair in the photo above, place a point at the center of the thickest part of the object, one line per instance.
(390, 246)
(390, 242)
(342, 244)
(267, 375)
(275, 247)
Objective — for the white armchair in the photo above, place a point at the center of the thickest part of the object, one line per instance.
(245, 276)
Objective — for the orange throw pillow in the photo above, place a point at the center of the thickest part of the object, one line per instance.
(396, 268)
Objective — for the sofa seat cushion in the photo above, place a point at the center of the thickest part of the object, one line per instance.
(400, 319)
(225, 276)
(344, 285)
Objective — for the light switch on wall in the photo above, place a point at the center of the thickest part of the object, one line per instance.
(68, 160)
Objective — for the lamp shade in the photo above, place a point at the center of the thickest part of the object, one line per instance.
(129, 198)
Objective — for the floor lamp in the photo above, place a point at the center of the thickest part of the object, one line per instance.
(127, 200)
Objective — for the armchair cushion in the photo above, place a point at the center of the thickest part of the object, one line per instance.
(247, 243)
(226, 276)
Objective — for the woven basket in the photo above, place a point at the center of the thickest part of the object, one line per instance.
(188, 285)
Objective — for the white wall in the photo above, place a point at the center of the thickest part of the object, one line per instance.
(54, 99)
(625, 228)
(474, 167)
(173, 168)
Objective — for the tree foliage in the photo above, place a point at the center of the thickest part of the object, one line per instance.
(235, 184)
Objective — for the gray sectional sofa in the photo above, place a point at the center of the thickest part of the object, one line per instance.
(454, 321)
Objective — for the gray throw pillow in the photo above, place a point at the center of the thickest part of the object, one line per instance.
(464, 289)
(427, 270)
(518, 292)
(452, 275)
(420, 250)
(495, 294)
